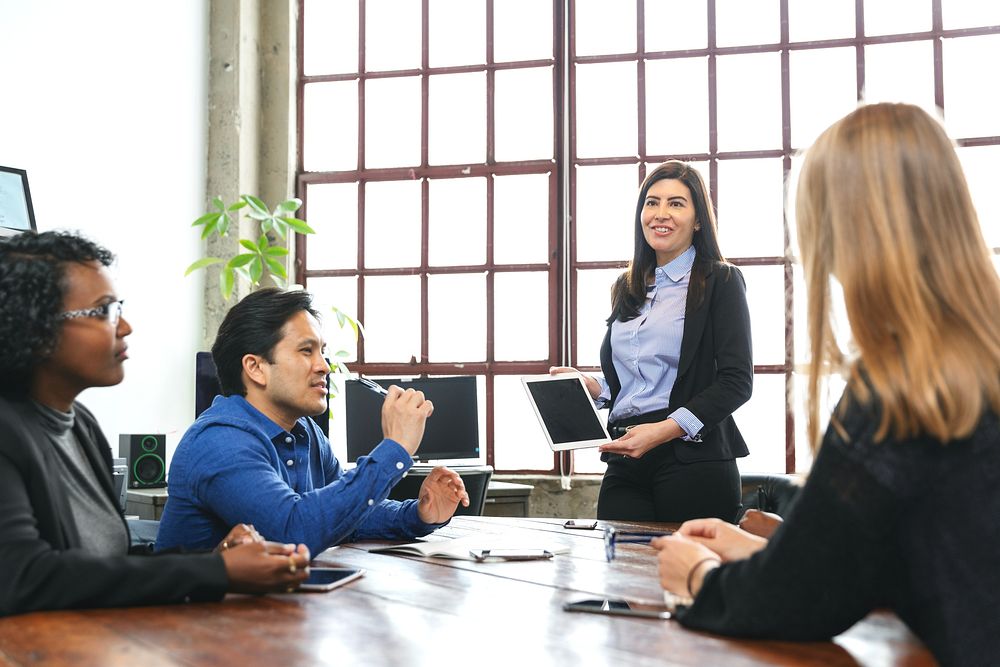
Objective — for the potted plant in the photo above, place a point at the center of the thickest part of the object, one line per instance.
(262, 258)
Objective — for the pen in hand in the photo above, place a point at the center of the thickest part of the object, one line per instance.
(374, 386)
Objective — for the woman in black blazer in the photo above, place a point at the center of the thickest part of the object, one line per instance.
(676, 361)
(63, 540)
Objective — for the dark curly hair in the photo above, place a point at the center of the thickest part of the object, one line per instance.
(254, 326)
(32, 282)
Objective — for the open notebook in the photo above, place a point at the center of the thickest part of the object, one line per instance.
(460, 548)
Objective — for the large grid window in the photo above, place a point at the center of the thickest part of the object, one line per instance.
(471, 167)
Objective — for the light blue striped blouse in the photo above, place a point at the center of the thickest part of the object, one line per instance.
(646, 350)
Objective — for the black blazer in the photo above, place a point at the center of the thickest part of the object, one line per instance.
(715, 371)
(42, 564)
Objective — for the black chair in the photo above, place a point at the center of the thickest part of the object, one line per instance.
(769, 493)
(476, 479)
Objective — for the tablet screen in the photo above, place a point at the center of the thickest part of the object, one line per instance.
(566, 411)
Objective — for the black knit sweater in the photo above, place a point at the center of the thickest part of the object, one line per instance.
(913, 526)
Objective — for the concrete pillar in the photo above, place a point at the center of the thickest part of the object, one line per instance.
(251, 121)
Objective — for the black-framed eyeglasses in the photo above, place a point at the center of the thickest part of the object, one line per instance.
(613, 537)
(111, 311)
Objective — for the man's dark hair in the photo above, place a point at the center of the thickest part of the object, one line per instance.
(253, 326)
(32, 291)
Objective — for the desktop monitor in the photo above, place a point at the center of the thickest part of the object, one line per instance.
(206, 388)
(452, 432)
(16, 212)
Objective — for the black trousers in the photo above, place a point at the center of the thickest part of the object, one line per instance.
(658, 487)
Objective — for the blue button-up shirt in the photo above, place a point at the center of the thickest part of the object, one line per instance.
(234, 465)
(646, 350)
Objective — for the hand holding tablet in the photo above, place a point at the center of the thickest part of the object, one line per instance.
(566, 411)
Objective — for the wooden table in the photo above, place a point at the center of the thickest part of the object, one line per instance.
(411, 611)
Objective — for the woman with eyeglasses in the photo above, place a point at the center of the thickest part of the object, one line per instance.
(902, 506)
(63, 540)
(676, 362)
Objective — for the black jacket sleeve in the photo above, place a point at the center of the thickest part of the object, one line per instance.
(733, 353)
(43, 569)
(824, 569)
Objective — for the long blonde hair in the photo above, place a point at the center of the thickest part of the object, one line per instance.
(883, 206)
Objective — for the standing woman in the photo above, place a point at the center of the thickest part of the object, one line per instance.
(676, 361)
(63, 540)
(901, 507)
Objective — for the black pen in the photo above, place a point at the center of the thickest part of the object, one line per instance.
(374, 386)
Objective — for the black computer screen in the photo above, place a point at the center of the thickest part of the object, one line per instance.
(452, 432)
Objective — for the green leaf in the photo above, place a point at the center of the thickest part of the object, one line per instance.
(276, 267)
(289, 206)
(257, 205)
(241, 260)
(223, 226)
(244, 273)
(256, 270)
(344, 318)
(342, 354)
(298, 225)
(210, 228)
(257, 215)
(226, 280)
(263, 242)
(218, 203)
(203, 219)
(280, 228)
(276, 251)
(267, 224)
(237, 206)
(202, 263)
(249, 245)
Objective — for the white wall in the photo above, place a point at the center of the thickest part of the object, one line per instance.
(105, 105)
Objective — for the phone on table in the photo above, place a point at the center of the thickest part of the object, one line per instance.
(614, 607)
(580, 525)
(328, 578)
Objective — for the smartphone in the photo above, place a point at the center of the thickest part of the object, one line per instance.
(580, 525)
(511, 554)
(618, 608)
(328, 578)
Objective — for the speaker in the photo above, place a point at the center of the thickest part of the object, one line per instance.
(147, 459)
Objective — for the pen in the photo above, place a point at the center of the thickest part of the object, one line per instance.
(374, 386)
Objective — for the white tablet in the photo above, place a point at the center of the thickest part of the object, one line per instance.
(565, 411)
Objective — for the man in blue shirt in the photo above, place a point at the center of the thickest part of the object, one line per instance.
(255, 455)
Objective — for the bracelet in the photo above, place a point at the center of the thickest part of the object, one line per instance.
(695, 567)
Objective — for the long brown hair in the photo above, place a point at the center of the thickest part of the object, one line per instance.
(883, 207)
(629, 291)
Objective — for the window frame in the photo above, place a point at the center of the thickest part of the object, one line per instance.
(563, 267)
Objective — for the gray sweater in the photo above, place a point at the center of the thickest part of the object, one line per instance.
(101, 531)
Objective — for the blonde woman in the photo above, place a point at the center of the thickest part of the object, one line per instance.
(902, 506)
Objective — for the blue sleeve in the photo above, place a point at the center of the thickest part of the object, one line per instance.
(604, 398)
(242, 484)
(687, 421)
(393, 519)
